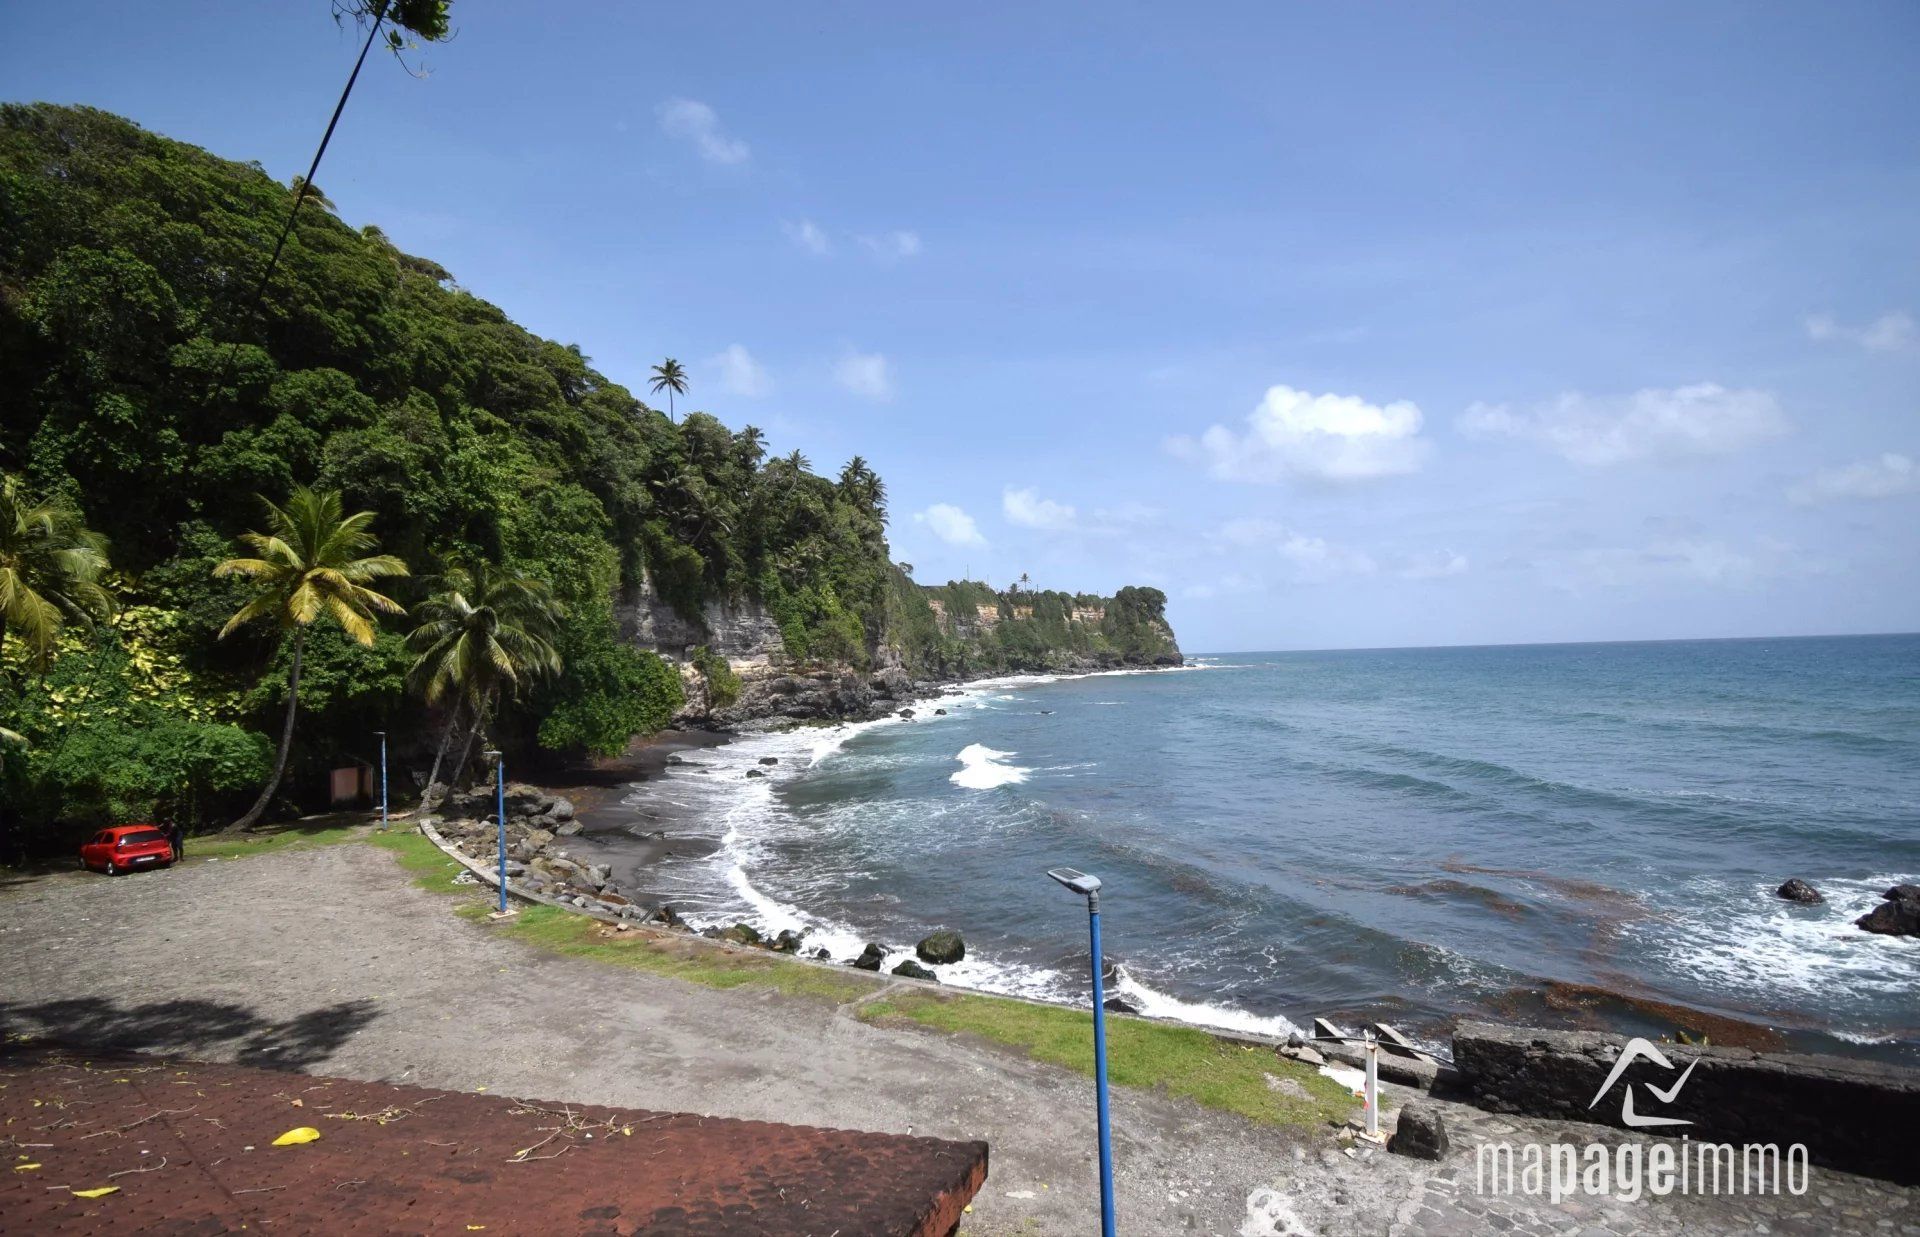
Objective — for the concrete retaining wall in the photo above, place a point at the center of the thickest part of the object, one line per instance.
(1857, 1116)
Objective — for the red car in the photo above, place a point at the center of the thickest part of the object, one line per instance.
(124, 848)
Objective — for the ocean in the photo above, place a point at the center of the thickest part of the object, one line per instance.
(1553, 834)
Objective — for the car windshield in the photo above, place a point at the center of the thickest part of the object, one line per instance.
(142, 835)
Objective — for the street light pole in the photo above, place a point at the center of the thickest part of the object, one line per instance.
(383, 779)
(500, 810)
(1089, 887)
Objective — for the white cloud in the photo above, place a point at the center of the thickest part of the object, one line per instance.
(693, 122)
(1701, 419)
(951, 524)
(1322, 437)
(739, 373)
(1885, 477)
(866, 374)
(1893, 331)
(806, 234)
(1434, 565)
(1027, 509)
(892, 246)
(1309, 558)
(1691, 560)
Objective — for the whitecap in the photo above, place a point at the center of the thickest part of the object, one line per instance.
(1156, 1004)
(981, 768)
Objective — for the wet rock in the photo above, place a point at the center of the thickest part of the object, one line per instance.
(742, 933)
(870, 958)
(913, 970)
(712, 934)
(822, 954)
(906, 713)
(1797, 890)
(1899, 915)
(1421, 1134)
(788, 942)
(666, 915)
(939, 712)
(769, 760)
(756, 773)
(570, 829)
(1120, 1005)
(940, 948)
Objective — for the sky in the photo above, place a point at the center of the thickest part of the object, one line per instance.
(1346, 326)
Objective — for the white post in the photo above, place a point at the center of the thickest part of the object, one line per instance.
(1373, 1086)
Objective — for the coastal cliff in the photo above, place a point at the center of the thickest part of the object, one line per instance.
(929, 637)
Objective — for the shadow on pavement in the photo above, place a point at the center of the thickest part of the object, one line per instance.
(192, 1027)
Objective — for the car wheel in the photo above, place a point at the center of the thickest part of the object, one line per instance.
(111, 869)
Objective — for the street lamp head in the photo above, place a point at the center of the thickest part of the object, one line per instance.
(493, 754)
(1077, 881)
(379, 734)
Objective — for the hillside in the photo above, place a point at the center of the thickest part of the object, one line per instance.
(142, 387)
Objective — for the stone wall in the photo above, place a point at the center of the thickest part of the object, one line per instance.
(1858, 1116)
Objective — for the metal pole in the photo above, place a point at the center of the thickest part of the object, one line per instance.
(383, 781)
(1100, 1068)
(1373, 1087)
(500, 807)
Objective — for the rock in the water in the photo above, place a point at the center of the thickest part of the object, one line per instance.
(1899, 915)
(913, 970)
(744, 933)
(1422, 1133)
(1121, 1005)
(1797, 890)
(788, 942)
(666, 915)
(939, 712)
(870, 958)
(941, 947)
(822, 953)
(769, 760)
(907, 714)
(756, 773)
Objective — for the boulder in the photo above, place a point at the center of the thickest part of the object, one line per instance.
(913, 970)
(570, 829)
(742, 933)
(788, 942)
(712, 934)
(1899, 915)
(756, 773)
(525, 800)
(1120, 1005)
(536, 838)
(1421, 1133)
(433, 796)
(562, 809)
(940, 948)
(822, 953)
(1797, 890)
(769, 760)
(666, 915)
(870, 958)
(939, 712)
(907, 714)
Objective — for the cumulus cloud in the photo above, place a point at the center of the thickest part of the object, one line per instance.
(951, 524)
(1704, 418)
(696, 124)
(1027, 509)
(866, 374)
(808, 235)
(1317, 437)
(1890, 332)
(1890, 475)
(1434, 565)
(739, 373)
(892, 246)
(1308, 558)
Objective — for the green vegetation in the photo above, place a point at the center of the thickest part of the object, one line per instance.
(432, 870)
(301, 835)
(1182, 1061)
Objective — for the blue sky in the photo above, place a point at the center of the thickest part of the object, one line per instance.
(1351, 326)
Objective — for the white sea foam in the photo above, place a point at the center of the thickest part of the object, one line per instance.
(1156, 1004)
(982, 768)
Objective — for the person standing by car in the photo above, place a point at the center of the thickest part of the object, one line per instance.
(177, 837)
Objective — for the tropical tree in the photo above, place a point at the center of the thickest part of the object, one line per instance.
(50, 566)
(669, 376)
(483, 630)
(313, 563)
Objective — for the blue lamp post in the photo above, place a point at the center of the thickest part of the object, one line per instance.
(500, 809)
(383, 779)
(1089, 887)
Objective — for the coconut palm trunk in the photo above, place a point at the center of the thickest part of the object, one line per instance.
(259, 807)
(446, 741)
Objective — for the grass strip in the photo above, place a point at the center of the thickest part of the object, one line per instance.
(243, 846)
(1182, 1061)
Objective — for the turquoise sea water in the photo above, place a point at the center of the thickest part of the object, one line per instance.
(1406, 834)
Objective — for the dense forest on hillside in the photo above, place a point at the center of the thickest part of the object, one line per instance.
(146, 395)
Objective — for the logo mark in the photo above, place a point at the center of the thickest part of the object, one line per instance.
(1635, 1049)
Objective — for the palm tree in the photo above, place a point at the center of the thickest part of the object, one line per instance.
(313, 564)
(50, 566)
(483, 630)
(669, 376)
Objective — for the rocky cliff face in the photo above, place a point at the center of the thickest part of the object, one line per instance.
(932, 637)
